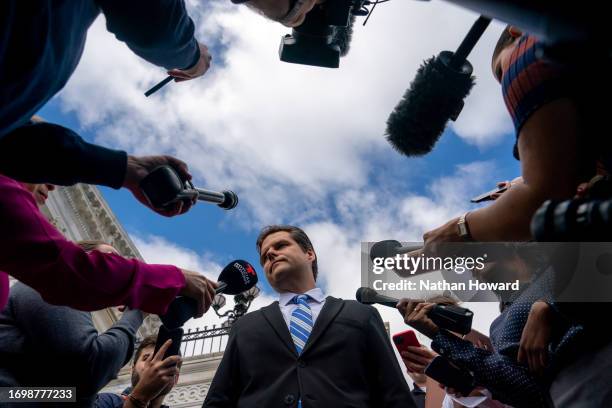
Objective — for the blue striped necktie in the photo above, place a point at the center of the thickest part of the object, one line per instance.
(300, 325)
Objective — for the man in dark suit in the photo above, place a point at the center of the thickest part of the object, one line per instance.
(306, 350)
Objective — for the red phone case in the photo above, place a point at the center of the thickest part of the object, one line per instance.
(405, 338)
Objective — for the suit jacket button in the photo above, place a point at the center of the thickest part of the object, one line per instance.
(289, 399)
(301, 364)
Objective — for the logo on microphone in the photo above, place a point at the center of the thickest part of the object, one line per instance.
(250, 270)
(245, 272)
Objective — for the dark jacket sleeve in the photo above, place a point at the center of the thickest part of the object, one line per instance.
(389, 388)
(108, 400)
(160, 31)
(48, 153)
(224, 390)
(508, 381)
(67, 332)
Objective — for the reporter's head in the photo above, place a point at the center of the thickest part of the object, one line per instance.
(503, 49)
(39, 191)
(279, 10)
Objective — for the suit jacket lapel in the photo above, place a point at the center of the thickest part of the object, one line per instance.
(330, 310)
(275, 318)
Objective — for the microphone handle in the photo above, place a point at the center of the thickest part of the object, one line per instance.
(210, 196)
(388, 304)
(159, 86)
(222, 286)
(409, 248)
(469, 42)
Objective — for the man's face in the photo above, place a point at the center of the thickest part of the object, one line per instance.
(284, 260)
(39, 191)
(502, 62)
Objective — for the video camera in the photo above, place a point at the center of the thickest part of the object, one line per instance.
(325, 34)
(578, 220)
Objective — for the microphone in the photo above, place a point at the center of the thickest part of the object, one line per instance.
(343, 36)
(450, 317)
(389, 248)
(237, 277)
(159, 86)
(435, 95)
(163, 187)
(369, 296)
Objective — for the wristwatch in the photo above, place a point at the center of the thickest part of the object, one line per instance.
(463, 229)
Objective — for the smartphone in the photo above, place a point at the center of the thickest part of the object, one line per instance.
(489, 194)
(164, 334)
(405, 339)
(448, 374)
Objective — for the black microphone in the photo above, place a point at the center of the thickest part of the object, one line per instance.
(159, 86)
(237, 277)
(389, 248)
(369, 296)
(435, 95)
(450, 317)
(163, 187)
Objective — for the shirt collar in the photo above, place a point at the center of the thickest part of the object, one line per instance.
(315, 294)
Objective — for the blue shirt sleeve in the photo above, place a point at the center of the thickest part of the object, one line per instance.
(49, 153)
(160, 31)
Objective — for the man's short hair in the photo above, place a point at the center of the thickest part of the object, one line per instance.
(148, 341)
(298, 236)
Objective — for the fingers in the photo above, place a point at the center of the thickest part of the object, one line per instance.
(180, 166)
(199, 69)
(415, 358)
(170, 361)
(162, 350)
(414, 367)
(401, 306)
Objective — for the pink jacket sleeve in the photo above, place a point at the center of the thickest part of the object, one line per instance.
(34, 252)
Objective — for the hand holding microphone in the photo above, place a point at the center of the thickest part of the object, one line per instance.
(179, 75)
(425, 317)
(198, 294)
(201, 290)
(165, 189)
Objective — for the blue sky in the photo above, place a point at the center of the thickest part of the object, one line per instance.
(298, 144)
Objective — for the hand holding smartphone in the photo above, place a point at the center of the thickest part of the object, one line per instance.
(405, 339)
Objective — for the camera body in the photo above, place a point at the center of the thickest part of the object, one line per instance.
(324, 35)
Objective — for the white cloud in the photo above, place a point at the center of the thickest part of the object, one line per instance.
(295, 142)
(272, 131)
(156, 249)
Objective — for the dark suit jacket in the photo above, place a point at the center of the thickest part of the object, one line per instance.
(348, 361)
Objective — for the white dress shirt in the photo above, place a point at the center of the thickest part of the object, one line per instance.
(316, 299)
